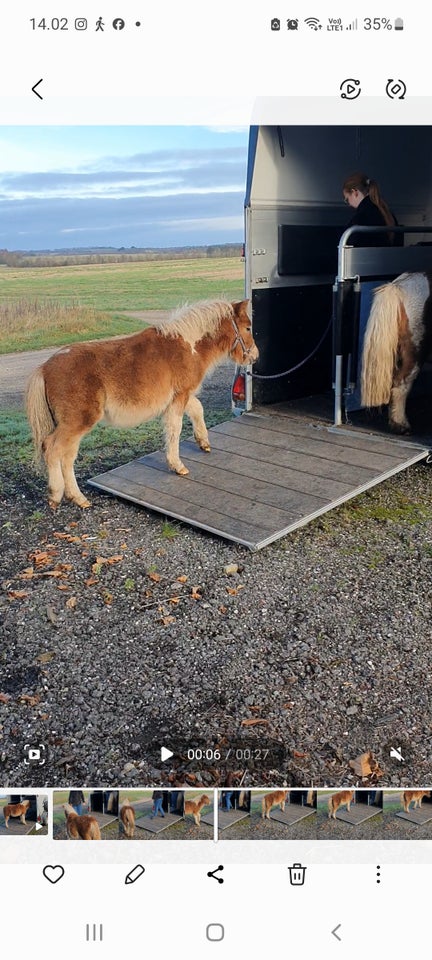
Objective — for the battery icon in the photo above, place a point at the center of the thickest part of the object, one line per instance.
(398, 24)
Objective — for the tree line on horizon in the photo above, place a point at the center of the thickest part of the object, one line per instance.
(88, 255)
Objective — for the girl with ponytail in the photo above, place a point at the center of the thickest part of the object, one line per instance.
(363, 195)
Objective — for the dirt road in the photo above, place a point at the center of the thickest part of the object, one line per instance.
(15, 368)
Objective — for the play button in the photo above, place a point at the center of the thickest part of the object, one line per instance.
(166, 754)
(38, 826)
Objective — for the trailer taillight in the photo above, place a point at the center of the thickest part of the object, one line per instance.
(239, 387)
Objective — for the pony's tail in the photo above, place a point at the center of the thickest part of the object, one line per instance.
(39, 415)
(381, 345)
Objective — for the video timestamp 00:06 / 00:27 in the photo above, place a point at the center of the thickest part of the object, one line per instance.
(214, 755)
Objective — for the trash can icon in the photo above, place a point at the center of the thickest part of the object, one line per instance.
(297, 874)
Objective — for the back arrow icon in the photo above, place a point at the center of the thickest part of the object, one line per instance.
(334, 932)
(35, 91)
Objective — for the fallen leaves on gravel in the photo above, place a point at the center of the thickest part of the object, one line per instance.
(366, 765)
(253, 722)
(17, 594)
(116, 559)
(41, 558)
(4, 698)
(154, 576)
(69, 537)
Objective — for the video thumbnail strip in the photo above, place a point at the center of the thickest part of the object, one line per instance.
(224, 814)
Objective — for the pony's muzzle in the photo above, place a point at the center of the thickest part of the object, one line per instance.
(252, 355)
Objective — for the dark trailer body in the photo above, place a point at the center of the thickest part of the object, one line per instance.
(294, 220)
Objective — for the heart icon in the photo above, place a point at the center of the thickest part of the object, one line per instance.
(53, 874)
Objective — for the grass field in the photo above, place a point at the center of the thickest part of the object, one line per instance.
(91, 301)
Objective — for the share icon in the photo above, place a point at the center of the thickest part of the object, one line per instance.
(211, 873)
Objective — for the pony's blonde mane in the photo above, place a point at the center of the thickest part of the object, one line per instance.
(192, 322)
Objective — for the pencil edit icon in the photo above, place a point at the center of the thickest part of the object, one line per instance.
(134, 874)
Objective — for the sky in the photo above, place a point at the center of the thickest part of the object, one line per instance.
(121, 186)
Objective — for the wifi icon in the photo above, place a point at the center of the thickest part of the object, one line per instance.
(313, 23)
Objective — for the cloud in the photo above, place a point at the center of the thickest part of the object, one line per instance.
(129, 200)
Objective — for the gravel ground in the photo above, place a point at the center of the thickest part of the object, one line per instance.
(320, 644)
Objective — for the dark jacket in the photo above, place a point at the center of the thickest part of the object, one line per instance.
(76, 797)
(368, 214)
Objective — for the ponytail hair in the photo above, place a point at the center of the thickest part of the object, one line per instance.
(369, 188)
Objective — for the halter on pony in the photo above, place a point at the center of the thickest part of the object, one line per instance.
(239, 339)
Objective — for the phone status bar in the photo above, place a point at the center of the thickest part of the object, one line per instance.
(337, 24)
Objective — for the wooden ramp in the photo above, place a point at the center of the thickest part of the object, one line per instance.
(157, 824)
(293, 813)
(18, 829)
(419, 815)
(358, 813)
(265, 476)
(226, 818)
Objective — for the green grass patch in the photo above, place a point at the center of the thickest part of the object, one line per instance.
(169, 530)
(90, 301)
(373, 506)
(15, 439)
(102, 449)
(67, 325)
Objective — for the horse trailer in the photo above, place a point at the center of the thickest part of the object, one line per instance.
(301, 444)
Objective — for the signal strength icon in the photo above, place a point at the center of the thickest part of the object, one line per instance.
(313, 23)
(352, 26)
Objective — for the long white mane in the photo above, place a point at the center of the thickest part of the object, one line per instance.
(196, 320)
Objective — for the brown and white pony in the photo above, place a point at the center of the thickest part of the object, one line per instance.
(128, 380)
(398, 339)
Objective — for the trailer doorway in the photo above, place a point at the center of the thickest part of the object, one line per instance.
(294, 220)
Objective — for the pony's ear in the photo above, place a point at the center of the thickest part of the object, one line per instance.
(240, 307)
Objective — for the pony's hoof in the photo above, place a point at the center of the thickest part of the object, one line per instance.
(53, 503)
(83, 503)
(182, 471)
(205, 446)
(401, 428)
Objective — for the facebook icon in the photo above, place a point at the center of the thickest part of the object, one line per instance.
(118, 23)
